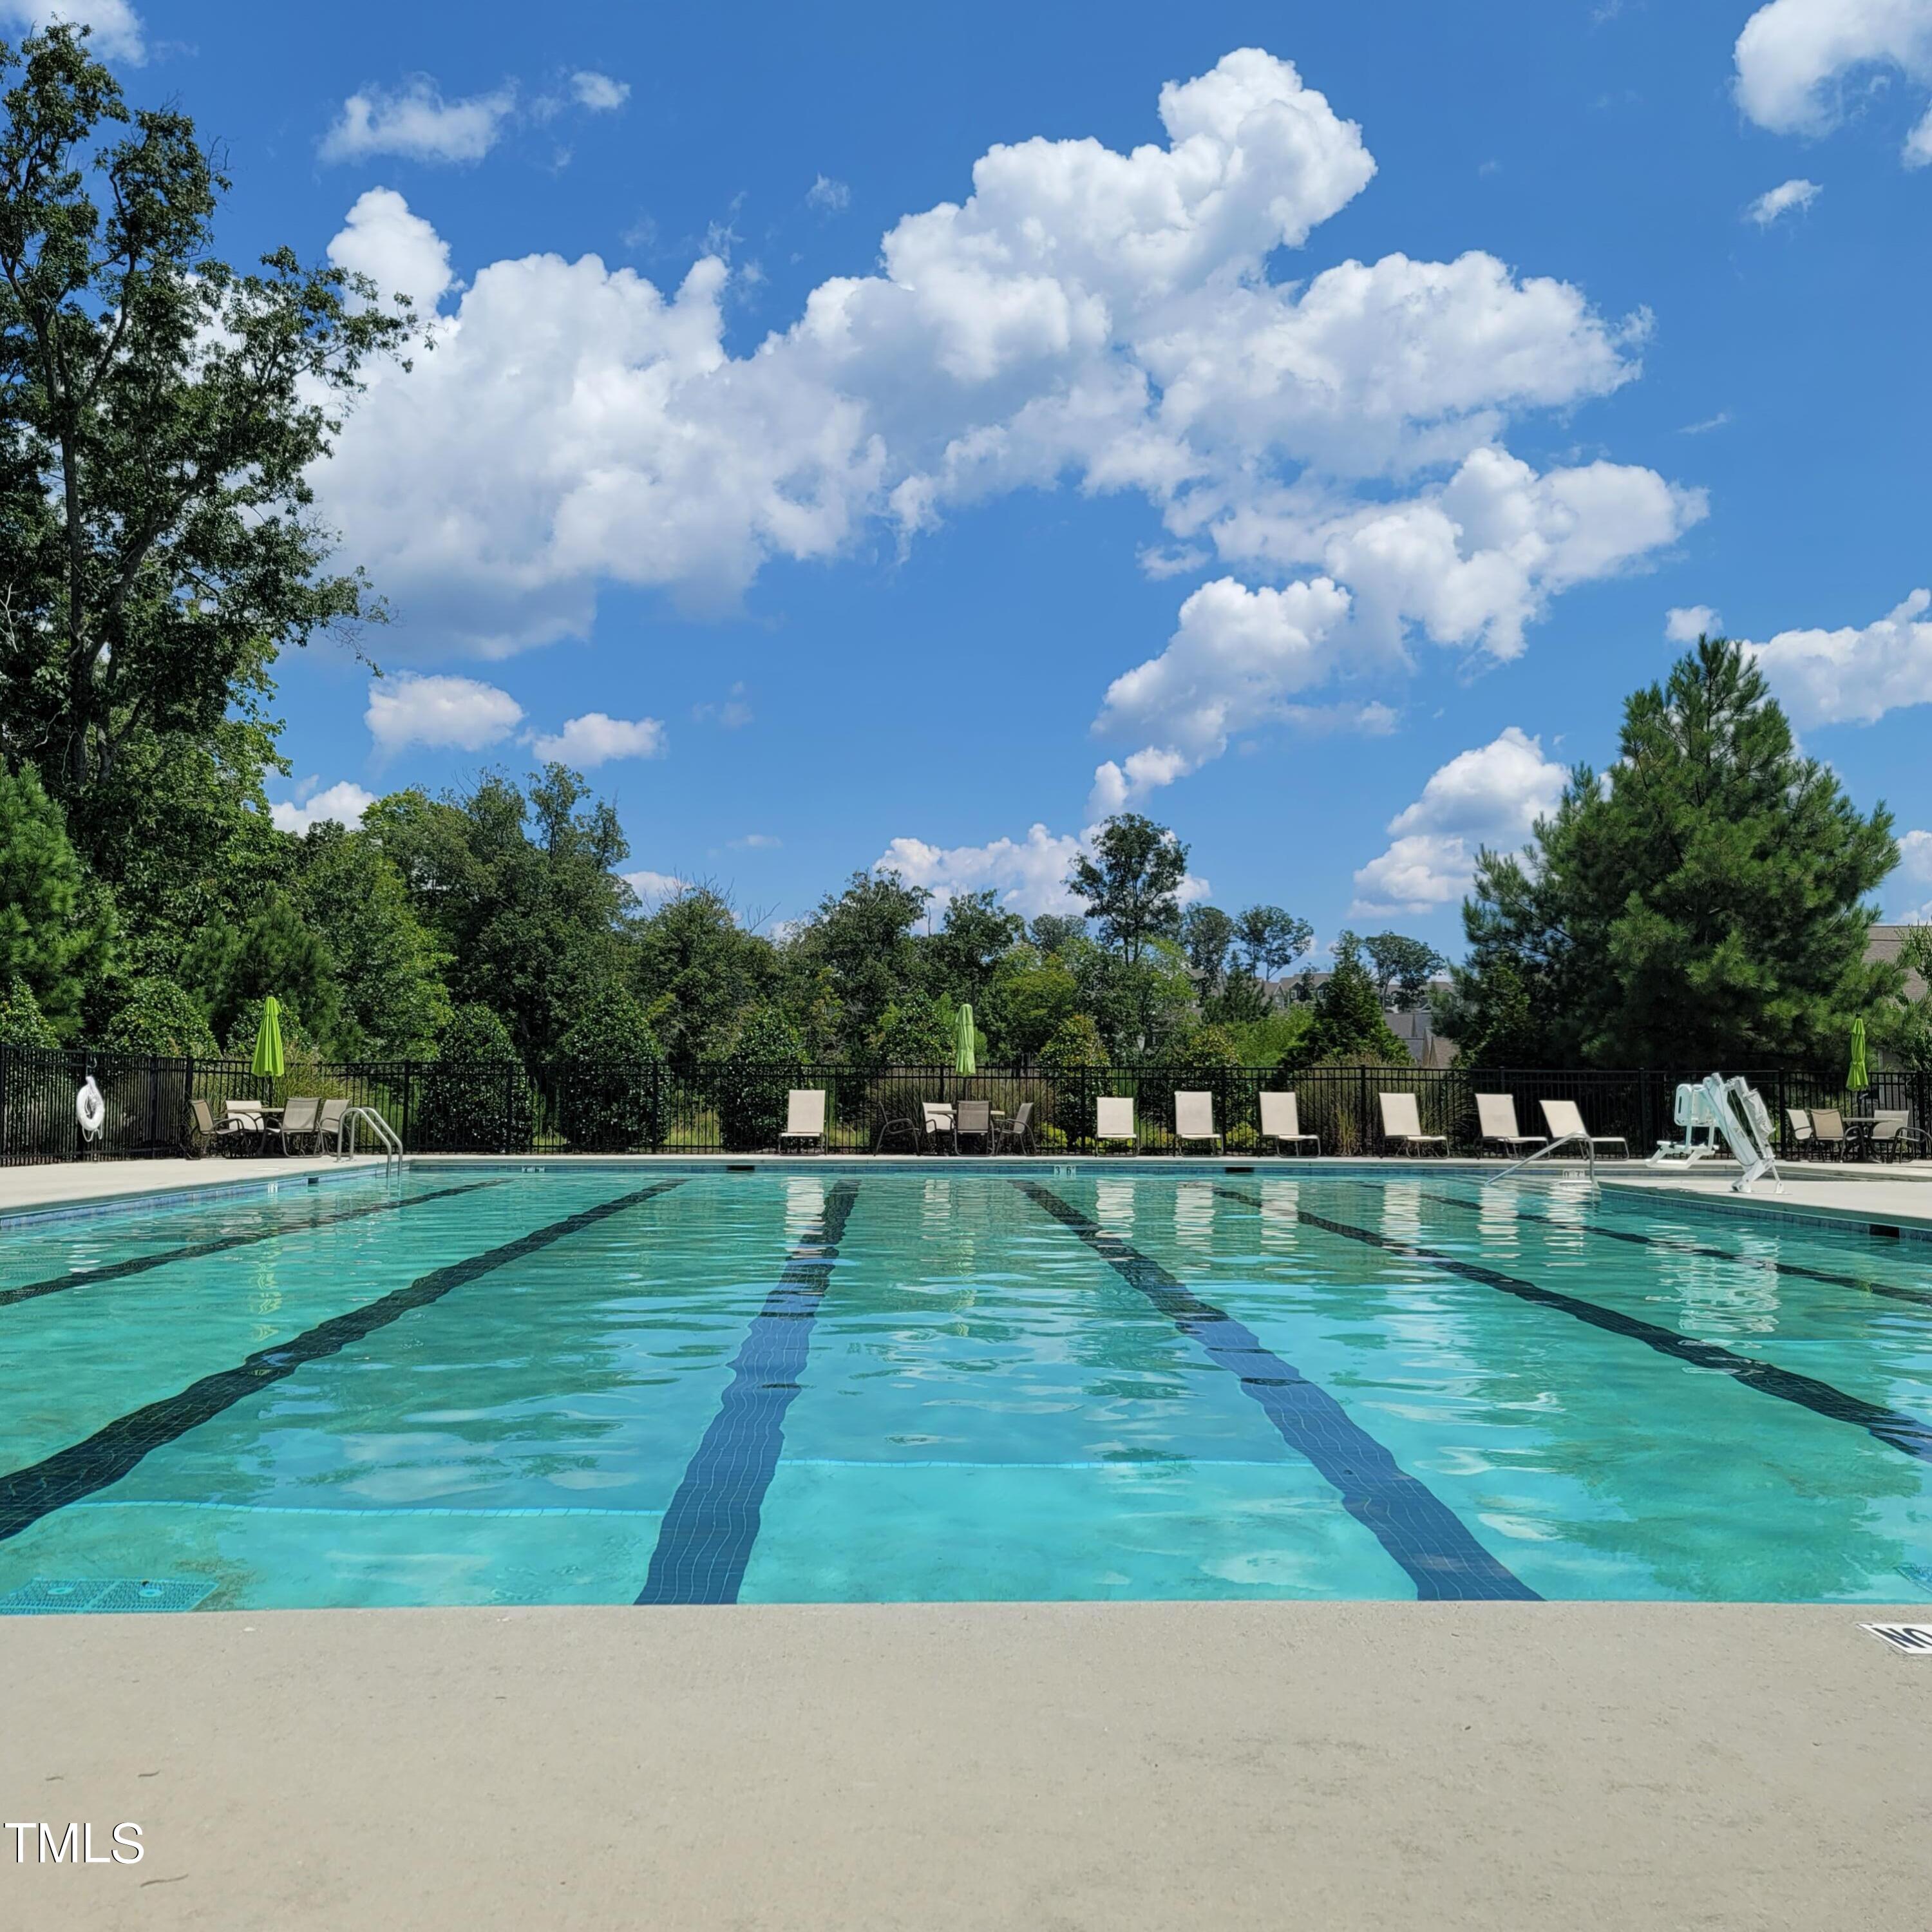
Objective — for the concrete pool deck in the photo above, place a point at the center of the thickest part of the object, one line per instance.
(788, 1769)
(71, 1183)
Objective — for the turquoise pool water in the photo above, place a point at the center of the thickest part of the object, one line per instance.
(601, 1384)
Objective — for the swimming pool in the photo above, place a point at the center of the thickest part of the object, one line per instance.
(607, 1384)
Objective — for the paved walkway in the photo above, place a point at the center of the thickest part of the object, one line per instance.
(64, 1182)
(938, 1767)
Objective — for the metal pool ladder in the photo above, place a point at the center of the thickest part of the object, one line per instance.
(1563, 1141)
(380, 1130)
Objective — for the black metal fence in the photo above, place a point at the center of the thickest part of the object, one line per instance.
(731, 1106)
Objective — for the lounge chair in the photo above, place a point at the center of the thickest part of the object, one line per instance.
(1281, 1122)
(804, 1117)
(1564, 1120)
(1194, 1119)
(300, 1119)
(1114, 1120)
(1017, 1132)
(973, 1118)
(1402, 1123)
(1798, 1124)
(1828, 1130)
(939, 1123)
(1495, 1114)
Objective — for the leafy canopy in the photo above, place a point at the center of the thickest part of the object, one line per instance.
(1132, 883)
(1704, 903)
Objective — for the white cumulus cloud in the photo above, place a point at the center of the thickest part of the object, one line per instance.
(414, 121)
(1029, 874)
(598, 92)
(342, 804)
(1853, 676)
(118, 33)
(399, 252)
(1781, 200)
(1491, 795)
(1083, 315)
(1685, 623)
(833, 196)
(454, 713)
(653, 888)
(596, 739)
(1913, 876)
(1794, 58)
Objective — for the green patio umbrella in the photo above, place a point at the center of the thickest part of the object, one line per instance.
(1858, 1076)
(965, 1058)
(268, 1063)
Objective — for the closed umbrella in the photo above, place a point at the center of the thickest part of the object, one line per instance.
(268, 1063)
(1858, 1076)
(965, 1059)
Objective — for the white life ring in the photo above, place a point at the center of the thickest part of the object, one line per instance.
(90, 1109)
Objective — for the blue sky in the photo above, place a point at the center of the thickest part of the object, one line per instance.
(1303, 433)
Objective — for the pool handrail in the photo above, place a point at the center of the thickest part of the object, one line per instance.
(1589, 1146)
(384, 1135)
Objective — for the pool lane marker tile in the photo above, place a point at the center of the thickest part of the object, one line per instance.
(1764, 1263)
(1892, 1426)
(706, 1539)
(1419, 1530)
(85, 1468)
(195, 1250)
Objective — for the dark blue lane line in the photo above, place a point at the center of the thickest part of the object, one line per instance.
(1764, 1263)
(706, 1538)
(80, 1470)
(1422, 1533)
(1892, 1426)
(195, 1250)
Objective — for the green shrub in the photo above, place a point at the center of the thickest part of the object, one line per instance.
(1075, 1048)
(21, 1023)
(158, 1017)
(475, 1099)
(766, 1061)
(611, 1091)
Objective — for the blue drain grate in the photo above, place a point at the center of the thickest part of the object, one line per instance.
(60, 1596)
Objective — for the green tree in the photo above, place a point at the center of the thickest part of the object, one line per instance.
(1348, 1023)
(161, 416)
(862, 938)
(383, 962)
(1705, 903)
(519, 890)
(232, 968)
(46, 935)
(697, 969)
(1031, 995)
(1206, 935)
(1903, 1025)
(1271, 940)
(1075, 1056)
(21, 1024)
(1132, 882)
(156, 1016)
(966, 952)
(1053, 932)
(916, 1030)
(1402, 968)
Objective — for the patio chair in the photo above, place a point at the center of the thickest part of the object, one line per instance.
(891, 1122)
(804, 1117)
(1194, 1119)
(300, 1118)
(1893, 1135)
(1114, 1120)
(939, 1123)
(1402, 1123)
(1281, 1122)
(1798, 1124)
(1495, 1114)
(243, 1119)
(973, 1119)
(216, 1134)
(1017, 1132)
(1828, 1130)
(329, 1124)
(1564, 1120)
